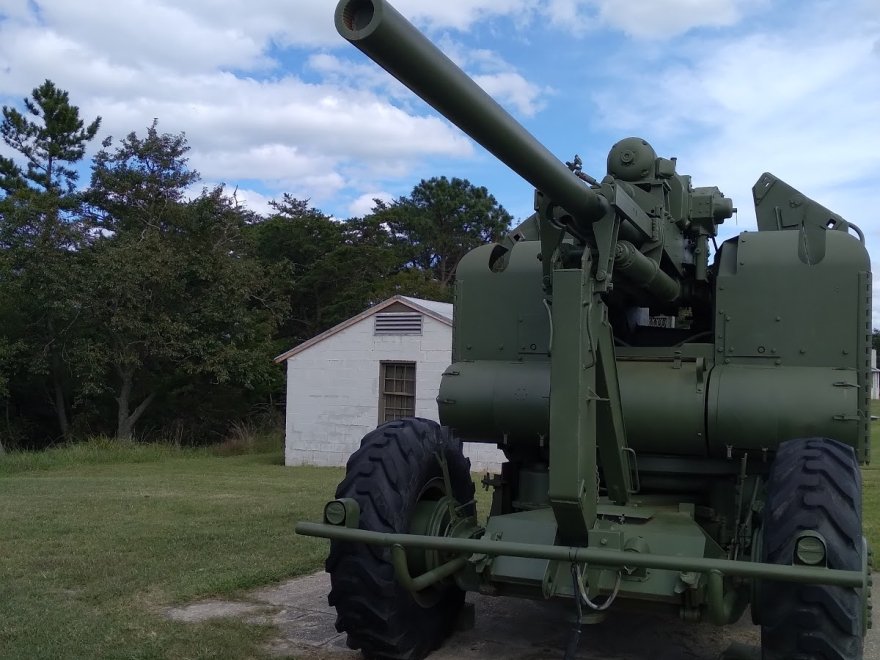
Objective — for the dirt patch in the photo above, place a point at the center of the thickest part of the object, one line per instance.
(217, 609)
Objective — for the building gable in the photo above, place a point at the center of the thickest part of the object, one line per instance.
(396, 304)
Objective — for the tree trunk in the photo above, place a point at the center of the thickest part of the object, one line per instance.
(60, 406)
(8, 426)
(57, 382)
(124, 421)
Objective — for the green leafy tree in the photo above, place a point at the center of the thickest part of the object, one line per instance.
(320, 268)
(178, 306)
(441, 220)
(51, 140)
(141, 183)
(41, 235)
(7, 357)
(291, 244)
(329, 269)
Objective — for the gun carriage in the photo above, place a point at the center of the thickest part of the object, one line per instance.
(701, 467)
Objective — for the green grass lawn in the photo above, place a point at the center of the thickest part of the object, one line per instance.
(91, 552)
(96, 540)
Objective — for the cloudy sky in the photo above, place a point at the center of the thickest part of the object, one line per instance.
(272, 100)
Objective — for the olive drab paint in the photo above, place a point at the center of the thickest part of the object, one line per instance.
(640, 380)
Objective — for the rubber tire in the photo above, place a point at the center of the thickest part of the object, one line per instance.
(814, 484)
(386, 476)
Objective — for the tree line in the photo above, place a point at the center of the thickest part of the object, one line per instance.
(133, 308)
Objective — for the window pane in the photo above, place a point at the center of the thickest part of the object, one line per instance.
(397, 390)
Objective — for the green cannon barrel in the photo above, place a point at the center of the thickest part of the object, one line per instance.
(644, 272)
(386, 37)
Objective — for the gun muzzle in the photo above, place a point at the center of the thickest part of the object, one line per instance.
(386, 37)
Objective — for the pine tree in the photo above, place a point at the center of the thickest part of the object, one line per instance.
(40, 233)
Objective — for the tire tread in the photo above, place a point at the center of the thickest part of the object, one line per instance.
(814, 484)
(385, 476)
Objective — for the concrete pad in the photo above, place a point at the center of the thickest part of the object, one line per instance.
(527, 630)
(508, 628)
(212, 609)
(308, 592)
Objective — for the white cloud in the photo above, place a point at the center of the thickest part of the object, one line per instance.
(281, 130)
(336, 68)
(664, 20)
(255, 201)
(201, 35)
(265, 162)
(498, 77)
(635, 17)
(294, 136)
(639, 18)
(133, 60)
(567, 13)
(137, 32)
(487, 61)
(364, 204)
(514, 90)
(461, 14)
(493, 73)
(243, 197)
(16, 9)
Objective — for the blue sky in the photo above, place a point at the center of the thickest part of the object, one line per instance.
(272, 100)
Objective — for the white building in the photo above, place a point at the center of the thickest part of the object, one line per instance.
(380, 365)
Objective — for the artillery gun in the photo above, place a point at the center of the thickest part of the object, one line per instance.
(701, 467)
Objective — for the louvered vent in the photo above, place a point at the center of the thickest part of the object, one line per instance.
(398, 323)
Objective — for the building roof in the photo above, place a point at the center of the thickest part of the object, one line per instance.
(441, 308)
(438, 311)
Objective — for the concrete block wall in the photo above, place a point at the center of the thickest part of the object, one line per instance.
(333, 391)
